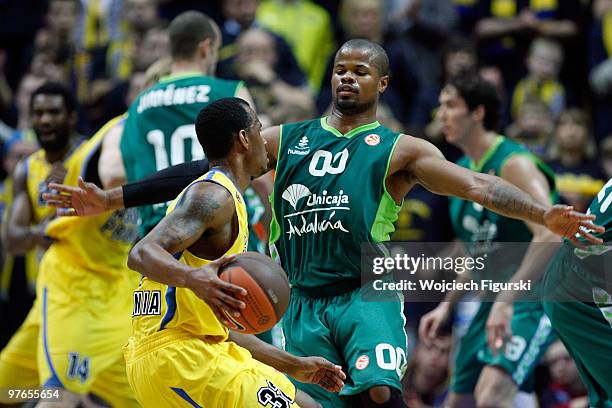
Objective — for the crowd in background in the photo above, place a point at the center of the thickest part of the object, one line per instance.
(550, 60)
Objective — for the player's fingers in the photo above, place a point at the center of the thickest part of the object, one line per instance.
(226, 260)
(336, 381)
(66, 212)
(326, 364)
(576, 242)
(591, 226)
(231, 289)
(590, 237)
(62, 188)
(57, 196)
(220, 315)
(57, 204)
(232, 305)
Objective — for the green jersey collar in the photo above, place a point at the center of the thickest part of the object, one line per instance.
(180, 75)
(352, 132)
(477, 167)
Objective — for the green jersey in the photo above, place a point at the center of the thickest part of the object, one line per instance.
(475, 224)
(330, 197)
(600, 207)
(160, 129)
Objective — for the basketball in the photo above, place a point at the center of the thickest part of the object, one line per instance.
(267, 291)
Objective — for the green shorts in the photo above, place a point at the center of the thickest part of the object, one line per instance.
(366, 338)
(531, 335)
(584, 327)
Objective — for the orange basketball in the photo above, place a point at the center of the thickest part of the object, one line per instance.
(267, 291)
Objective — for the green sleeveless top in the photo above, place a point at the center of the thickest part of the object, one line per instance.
(329, 198)
(160, 129)
(601, 208)
(484, 228)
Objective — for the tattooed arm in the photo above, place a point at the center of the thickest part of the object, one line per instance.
(205, 208)
(426, 164)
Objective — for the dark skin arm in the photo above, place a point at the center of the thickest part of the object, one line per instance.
(21, 234)
(313, 370)
(418, 161)
(88, 199)
(205, 211)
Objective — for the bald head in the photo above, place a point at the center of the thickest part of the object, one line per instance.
(376, 54)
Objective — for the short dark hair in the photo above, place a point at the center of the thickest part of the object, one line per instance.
(218, 124)
(187, 30)
(55, 88)
(378, 56)
(476, 91)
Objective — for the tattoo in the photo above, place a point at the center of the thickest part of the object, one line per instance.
(189, 220)
(510, 200)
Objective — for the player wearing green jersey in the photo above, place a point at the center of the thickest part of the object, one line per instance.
(339, 182)
(577, 282)
(469, 111)
(159, 130)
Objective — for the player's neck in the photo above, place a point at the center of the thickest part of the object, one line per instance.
(183, 66)
(478, 144)
(60, 154)
(234, 171)
(345, 122)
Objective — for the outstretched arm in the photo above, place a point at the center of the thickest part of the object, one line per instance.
(314, 370)
(88, 199)
(205, 208)
(428, 166)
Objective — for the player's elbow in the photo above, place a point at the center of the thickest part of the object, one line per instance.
(15, 243)
(136, 257)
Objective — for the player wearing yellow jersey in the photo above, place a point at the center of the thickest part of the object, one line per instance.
(53, 120)
(85, 295)
(181, 351)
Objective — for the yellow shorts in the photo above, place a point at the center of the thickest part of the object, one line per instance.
(83, 328)
(18, 367)
(173, 369)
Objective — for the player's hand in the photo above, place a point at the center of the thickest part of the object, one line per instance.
(499, 329)
(86, 199)
(317, 370)
(564, 221)
(222, 297)
(432, 322)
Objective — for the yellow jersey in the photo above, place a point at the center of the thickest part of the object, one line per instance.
(98, 243)
(37, 171)
(158, 307)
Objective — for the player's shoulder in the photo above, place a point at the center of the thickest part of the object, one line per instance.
(207, 198)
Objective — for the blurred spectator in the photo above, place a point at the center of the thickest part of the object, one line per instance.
(139, 16)
(365, 19)
(6, 93)
(572, 157)
(307, 27)
(542, 81)
(533, 126)
(423, 26)
(600, 65)
(565, 389)
(275, 98)
(426, 381)
(505, 28)
(239, 17)
(606, 157)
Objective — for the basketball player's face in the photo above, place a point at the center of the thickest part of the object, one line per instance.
(455, 116)
(51, 122)
(258, 156)
(355, 82)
